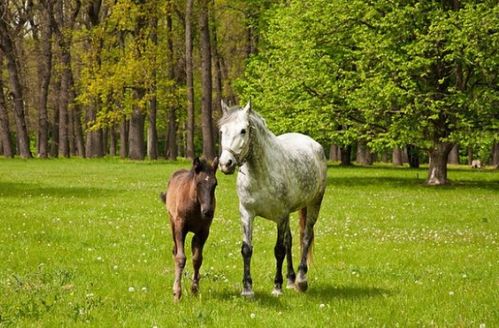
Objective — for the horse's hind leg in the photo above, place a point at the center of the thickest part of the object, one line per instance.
(308, 219)
(288, 242)
(198, 242)
(280, 253)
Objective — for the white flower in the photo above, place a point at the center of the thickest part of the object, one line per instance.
(451, 293)
(322, 305)
(131, 289)
(252, 316)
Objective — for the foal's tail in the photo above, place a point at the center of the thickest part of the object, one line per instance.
(303, 225)
(162, 196)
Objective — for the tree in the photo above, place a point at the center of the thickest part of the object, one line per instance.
(10, 26)
(391, 73)
(206, 81)
(42, 35)
(4, 119)
(189, 80)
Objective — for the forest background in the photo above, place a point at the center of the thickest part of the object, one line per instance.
(406, 81)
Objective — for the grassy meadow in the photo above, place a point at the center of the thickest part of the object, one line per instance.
(87, 242)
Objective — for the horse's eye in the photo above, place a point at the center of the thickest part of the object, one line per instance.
(243, 131)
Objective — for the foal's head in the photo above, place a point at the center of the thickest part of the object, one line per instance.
(205, 181)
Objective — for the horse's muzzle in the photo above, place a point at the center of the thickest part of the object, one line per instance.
(227, 162)
(228, 169)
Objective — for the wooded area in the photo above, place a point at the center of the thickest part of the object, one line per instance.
(402, 82)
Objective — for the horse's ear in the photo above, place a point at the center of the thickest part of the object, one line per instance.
(196, 164)
(247, 108)
(214, 164)
(225, 108)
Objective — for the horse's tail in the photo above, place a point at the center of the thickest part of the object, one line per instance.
(162, 196)
(303, 225)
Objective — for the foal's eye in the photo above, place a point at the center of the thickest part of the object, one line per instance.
(243, 131)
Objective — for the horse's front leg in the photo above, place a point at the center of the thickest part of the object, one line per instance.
(198, 242)
(179, 257)
(280, 253)
(247, 249)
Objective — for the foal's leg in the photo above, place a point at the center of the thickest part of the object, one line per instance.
(247, 250)
(280, 253)
(197, 257)
(311, 212)
(179, 256)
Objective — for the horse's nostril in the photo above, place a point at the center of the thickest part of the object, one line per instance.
(229, 162)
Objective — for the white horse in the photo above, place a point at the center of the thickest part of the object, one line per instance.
(277, 176)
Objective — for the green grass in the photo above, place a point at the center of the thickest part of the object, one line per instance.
(88, 242)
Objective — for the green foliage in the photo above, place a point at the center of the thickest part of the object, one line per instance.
(389, 73)
(95, 248)
(121, 56)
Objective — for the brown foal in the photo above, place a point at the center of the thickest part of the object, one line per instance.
(190, 202)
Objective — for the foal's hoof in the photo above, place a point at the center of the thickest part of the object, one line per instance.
(301, 285)
(194, 289)
(276, 292)
(176, 298)
(248, 293)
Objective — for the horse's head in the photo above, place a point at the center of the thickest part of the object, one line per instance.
(235, 137)
(206, 182)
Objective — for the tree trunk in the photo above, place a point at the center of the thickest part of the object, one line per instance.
(454, 155)
(363, 156)
(470, 155)
(346, 155)
(112, 141)
(334, 153)
(495, 155)
(94, 146)
(171, 137)
(206, 83)
(64, 120)
(217, 62)
(437, 170)
(136, 133)
(54, 144)
(189, 152)
(16, 91)
(4, 120)
(397, 156)
(152, 132)
(45, 74)
(413, 156)
(124, 138)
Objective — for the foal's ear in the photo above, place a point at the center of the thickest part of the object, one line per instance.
(196, 164)
(225, 108)
(214, 164)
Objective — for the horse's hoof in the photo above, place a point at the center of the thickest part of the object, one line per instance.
(194, 289)
(290, 284)
(176, 298)
(248, 293)
(301, 285)
(276, 292)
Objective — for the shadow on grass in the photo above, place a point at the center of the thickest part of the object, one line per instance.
(354, 181)
(264, 299)
(330, 292)
(16, 190)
